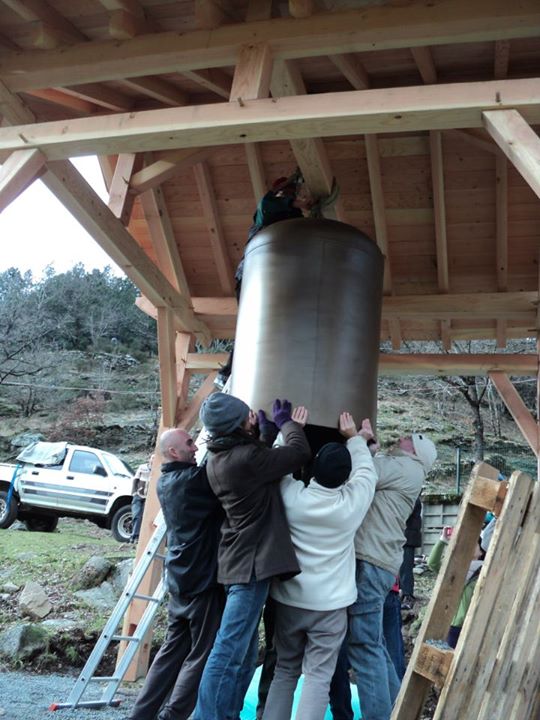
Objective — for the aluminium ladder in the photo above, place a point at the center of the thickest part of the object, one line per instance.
(87, 677)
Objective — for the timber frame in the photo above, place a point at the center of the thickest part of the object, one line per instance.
(427, 114)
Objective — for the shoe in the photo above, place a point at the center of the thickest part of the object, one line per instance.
(407, 602)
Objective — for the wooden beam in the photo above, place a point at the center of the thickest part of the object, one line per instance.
(471, 137)
(210, 14)
(125, 25)
(258, 10)
(120, 199)
(49, 37)
(215, 229)
(301, 8)
(424, 62)
(163, 240)
(130, 6)
(377, 204)
(256, 170)
(154, 87)
(502, 59)
(352, 69)
(92, 213)
(518, 141)
(191, 414)
(17, 173)
(435, 107)
(501, 206)
(252, 74)
(417, 364)
(517, 408)
(365, 29)
(212, 79)
(65, 100)
(40, 11)
(310, 153)
(99, 95)
(167, 365)
(169, 165)
(439, 207)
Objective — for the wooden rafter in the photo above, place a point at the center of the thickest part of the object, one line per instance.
(215, 229)
(210, 14)
(517, 408)
(101, 96)
(256, 170)
(167, 166)
(252, 73)
(352, 69)
(158, 89)
(381, 227)
(167, 365)
(364, 29)
(258, 10)
(474, 138)
(48, 21)
(73, 104)
(212, 79)
(301, 8)
(502, 59)
(434, 107)
(424, 62)
(17, 173)
(424, 364)
(501, 206)
(120, 199)
(187, 418)
(163, 240)
(518, 141)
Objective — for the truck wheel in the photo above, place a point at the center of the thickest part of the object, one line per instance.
(41, 523)
(122, 523)
(7, 515)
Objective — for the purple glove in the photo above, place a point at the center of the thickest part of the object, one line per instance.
(281, 412)
(267, 429)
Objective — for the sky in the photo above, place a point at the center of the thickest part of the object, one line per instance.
(36, 230)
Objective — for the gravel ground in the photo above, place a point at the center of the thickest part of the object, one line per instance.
(27, 697)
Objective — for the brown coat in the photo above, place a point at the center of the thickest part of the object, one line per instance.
(255, 536)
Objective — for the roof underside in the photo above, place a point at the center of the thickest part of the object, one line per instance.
(452, 215)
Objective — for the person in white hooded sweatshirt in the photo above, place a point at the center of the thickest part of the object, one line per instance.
(311, 608)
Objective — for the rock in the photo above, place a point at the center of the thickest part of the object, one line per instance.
(34, 601)
(60, 625)
(100, 598)
(22, 641)
(93, 572)
(9, 588)
(120, 575)
(26, 439)
(4, 596)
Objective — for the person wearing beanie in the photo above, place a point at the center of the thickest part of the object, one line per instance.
(379, 552)
(311, 608)
(255, 544)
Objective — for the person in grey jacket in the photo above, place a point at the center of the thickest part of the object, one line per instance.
(379, 552)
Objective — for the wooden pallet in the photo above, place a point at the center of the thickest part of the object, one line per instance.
(494, 672)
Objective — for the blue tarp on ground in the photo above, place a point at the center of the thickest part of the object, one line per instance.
(250, 703)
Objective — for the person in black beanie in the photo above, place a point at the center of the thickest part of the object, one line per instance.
(255, 541)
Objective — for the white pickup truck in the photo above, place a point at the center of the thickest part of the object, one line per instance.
(53, 480)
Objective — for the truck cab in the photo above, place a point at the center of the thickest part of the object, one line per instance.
(53, 480)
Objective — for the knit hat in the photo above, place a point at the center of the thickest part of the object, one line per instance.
(425, 450)
(332, 465)
(221, 414)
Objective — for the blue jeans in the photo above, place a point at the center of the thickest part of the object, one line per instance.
(231, 663)
(376, 678)
(392, 631)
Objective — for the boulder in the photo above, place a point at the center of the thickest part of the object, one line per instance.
(93, 572)
(60, 625)
(100, 598)
(34, 602)
(9, 588)
(22, 641)
(120, 575)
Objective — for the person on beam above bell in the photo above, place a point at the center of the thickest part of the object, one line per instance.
(287, 199)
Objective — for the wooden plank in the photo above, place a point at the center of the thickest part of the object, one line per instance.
(210, 14)
(124, 25)
(163, 240)
(518, 141)
(256, 170)
(487, 616)
(92, 213)
(501, 184)
(439, 207)
(158, 89)
(424, 62)
(17, 173)
(184, 345)
(215, 228)
(517, 408)
(300, 8)
(212, 79)
(167, 167)
(100, 95)
(364, 29)
(378, 207)
(472, 138)
(167, 365)
(40, 11)
(445, 596)
(488, 494)
(351, 68)
(65, 100)
(501, 59)
(191, 414)
(120, 199)
(434, 663)
(330, 114)
(253, 72)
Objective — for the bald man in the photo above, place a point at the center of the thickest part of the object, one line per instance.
(193, 516)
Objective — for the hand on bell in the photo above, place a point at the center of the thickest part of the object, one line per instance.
(281, 412)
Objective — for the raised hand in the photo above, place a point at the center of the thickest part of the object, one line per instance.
(281, 412)
(300, 415)
(347, 426)
(366, 431)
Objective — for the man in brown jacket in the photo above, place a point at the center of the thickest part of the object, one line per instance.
(255, 541)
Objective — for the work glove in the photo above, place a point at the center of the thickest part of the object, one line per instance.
(267, 429)
(281, 412)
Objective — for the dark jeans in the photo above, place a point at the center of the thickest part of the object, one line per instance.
(137, 510)
(453, 635)
(392, 632)
(179, 664)
(406, 574)
(270, 655)
(340, 687)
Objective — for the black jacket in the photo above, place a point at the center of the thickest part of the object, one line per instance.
(193, 516)
(413, 530)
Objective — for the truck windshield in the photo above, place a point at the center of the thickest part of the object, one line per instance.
(116, 466)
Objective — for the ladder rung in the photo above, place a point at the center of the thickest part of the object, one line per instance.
(125, 638)
(85, 703)
(150, 598)
(113, 678)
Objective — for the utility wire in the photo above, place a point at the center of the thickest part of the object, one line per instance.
(67, 387)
